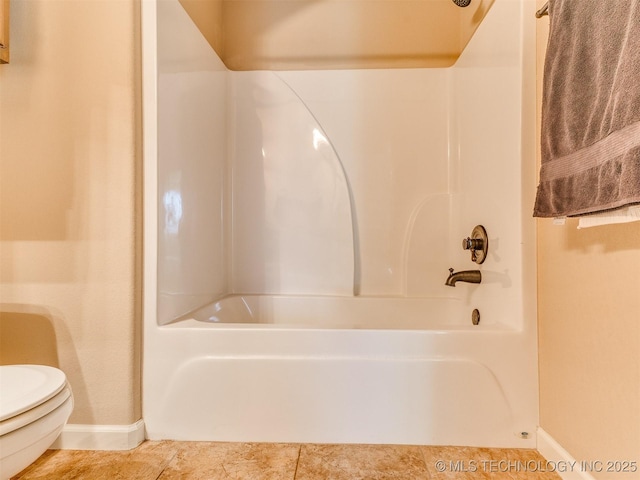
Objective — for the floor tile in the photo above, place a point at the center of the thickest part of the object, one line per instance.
(251, 461)
(242, 461)
(365, 462)
(145, 462)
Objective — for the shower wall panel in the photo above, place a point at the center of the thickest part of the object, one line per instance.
(391, 131)
(292, 215)
(492, 124)
(341, 182)
(192, 136)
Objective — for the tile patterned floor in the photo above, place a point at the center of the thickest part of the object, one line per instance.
(169, 460)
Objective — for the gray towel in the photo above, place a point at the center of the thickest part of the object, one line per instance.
(590, 108)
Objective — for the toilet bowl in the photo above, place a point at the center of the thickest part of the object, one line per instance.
(35, 403)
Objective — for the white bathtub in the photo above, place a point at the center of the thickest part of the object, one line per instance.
(410, 160)
(304, 369)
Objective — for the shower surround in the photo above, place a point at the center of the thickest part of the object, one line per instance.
(299, 230)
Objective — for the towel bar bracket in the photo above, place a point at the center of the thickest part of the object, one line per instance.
(543, 11)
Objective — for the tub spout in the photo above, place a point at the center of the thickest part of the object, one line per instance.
(469, 276)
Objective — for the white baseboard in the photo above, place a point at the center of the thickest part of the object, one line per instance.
(100, 437)
(567, 467)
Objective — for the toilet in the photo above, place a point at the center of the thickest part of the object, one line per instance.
(35, 403)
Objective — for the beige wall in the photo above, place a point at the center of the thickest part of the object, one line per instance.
(308, 34)
(589, 334)
(207, 15)
(69, 152)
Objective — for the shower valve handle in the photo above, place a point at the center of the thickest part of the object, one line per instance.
(477, 243)
(472, 243)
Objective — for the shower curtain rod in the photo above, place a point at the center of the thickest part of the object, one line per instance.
(543, 11)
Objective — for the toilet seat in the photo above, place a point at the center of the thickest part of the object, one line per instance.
(24, 387)
(25, 418)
